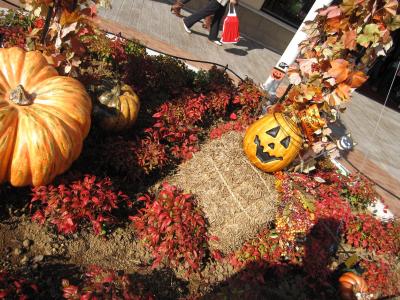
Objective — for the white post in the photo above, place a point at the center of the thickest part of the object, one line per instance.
(288, 57)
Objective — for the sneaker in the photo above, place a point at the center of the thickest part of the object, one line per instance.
(217, 43)
(186, 28)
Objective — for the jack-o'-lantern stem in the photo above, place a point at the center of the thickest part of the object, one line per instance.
(19, 96)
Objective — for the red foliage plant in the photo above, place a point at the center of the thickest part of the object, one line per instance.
(13, 287)
(173, 227)
(100, 283)
(382, 276)
(246, 101)
(174, 136)
(373, 235)
(312, 209)
(223, 128)
(179, 124)
(90, 199)
(14, 36)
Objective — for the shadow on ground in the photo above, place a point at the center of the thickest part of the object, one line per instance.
(310, 279)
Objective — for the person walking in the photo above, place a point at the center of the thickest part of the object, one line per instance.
(214, 7)
(179, 4)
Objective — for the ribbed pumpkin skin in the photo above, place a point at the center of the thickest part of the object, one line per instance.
(40, 140)
(120, 111)
(273, 147)
(349, 284)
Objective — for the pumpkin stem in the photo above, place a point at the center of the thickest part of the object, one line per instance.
(20, 96)
(117, 90)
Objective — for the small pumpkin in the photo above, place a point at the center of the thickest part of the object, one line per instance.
(44, 119)
(272, 142)
(118, 107)
(350, 284)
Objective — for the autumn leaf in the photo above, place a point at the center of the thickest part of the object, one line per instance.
(394, 24)
(307, 93)
(69, 18)
(307, 203)
(333, 25)
(334, 99)
(306, 65)
(343, 91)
(339, 70)
(331, 12)
(371, 34)
(90, 11)
(347, 6)
(294, 77)
(356, 79)
(349, 39)
(391, 7)
(77, 46)
(68, 29)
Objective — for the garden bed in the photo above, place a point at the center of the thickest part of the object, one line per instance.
(170, 208)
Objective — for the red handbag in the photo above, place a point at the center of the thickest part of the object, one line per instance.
(230, 29)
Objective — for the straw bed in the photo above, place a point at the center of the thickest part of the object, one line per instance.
(237, 198)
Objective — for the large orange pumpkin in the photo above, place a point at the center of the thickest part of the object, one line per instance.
(43, 119)
(350, 284)
(272, 142)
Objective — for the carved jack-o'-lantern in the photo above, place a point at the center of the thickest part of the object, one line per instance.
(272, 142)
(277, 74)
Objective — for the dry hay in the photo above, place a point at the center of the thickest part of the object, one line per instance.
(236, 197)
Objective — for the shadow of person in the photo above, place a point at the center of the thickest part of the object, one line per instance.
(168, 286)
(237, 51)
(249, 44)
(292, 276)
(199, 33)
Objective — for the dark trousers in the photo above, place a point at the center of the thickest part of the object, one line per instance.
(212, 8)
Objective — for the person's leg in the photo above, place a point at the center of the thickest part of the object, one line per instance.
(207, 22)
(177, 6)
(208, 10)
(216, 22)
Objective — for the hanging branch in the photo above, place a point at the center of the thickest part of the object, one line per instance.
(74, 4)
(343, 41)
(49, 16)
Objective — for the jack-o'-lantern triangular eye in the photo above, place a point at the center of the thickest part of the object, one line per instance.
(285, 142)
(273, 132)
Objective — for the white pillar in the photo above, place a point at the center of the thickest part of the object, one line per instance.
(289, 56)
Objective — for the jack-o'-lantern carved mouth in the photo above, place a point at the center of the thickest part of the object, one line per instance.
(264, 157)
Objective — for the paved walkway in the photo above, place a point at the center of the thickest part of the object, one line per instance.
(153, 17)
